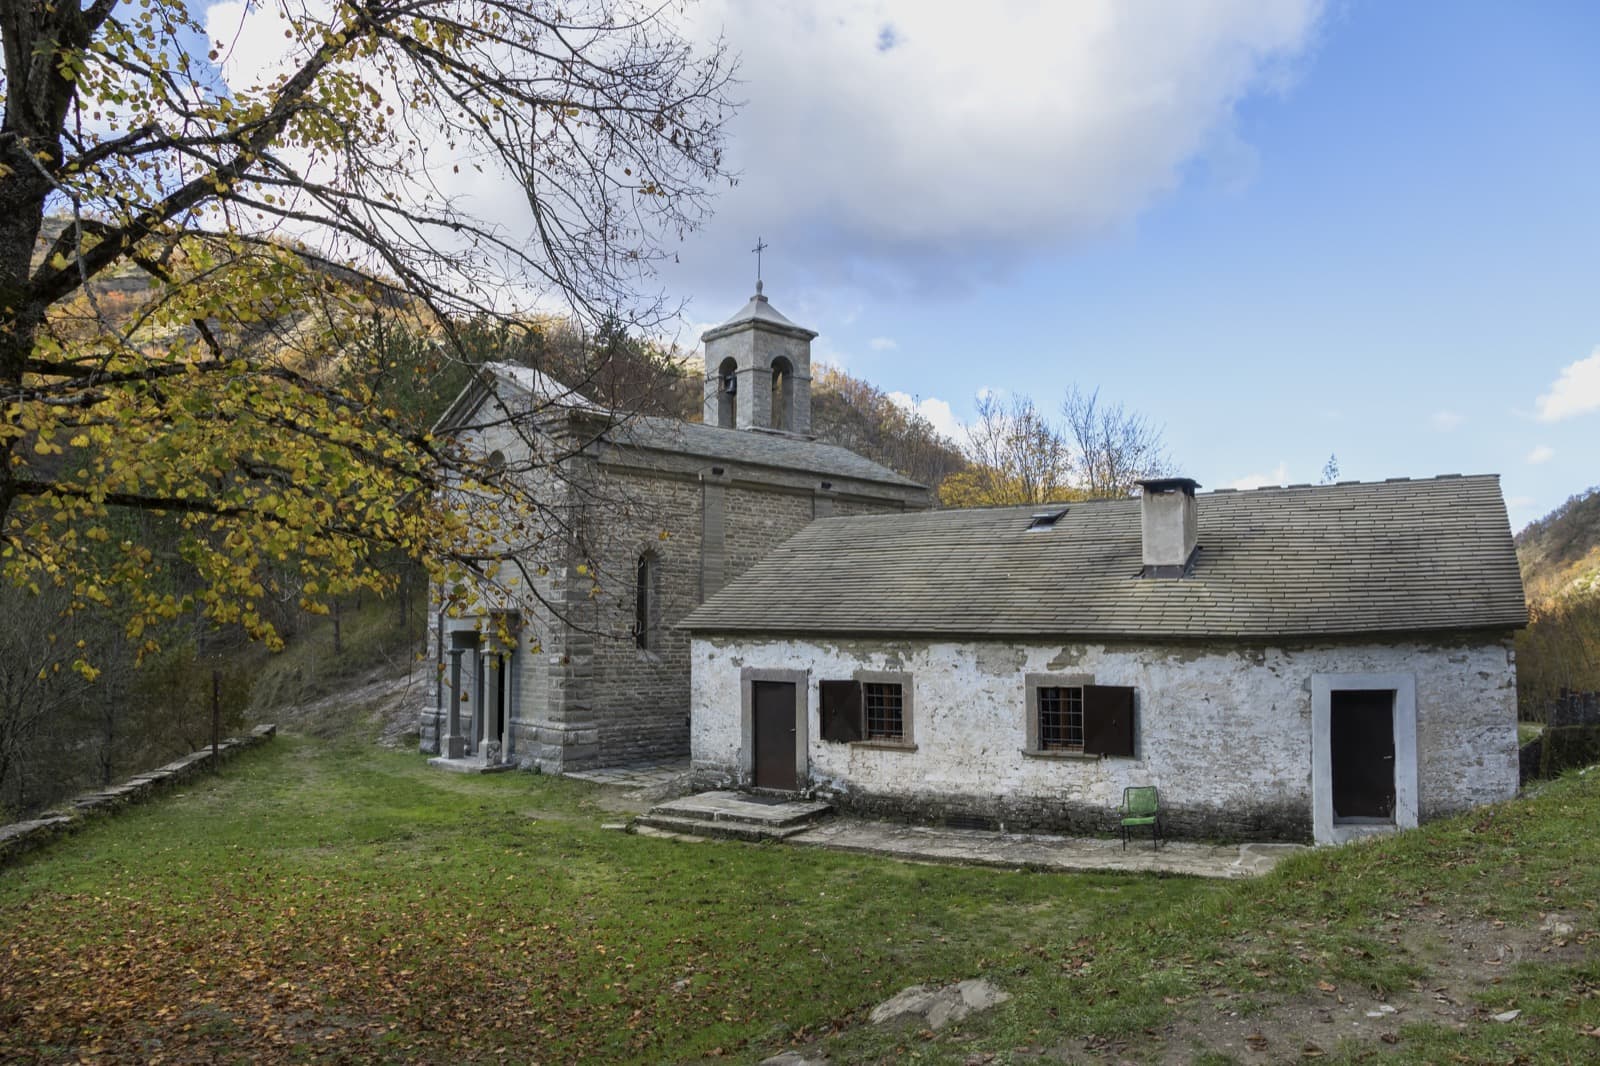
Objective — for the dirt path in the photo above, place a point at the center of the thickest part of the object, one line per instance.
(384, 706)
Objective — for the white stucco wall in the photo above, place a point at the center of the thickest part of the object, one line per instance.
(1225, 729)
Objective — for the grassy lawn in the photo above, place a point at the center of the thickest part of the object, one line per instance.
(341, 903)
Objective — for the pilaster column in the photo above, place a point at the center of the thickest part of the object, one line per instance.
(490, 701)
(451, 745)
(713, 530)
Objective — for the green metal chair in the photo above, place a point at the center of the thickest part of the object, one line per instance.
(1141, 805)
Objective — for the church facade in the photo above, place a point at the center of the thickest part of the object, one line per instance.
(639, 521)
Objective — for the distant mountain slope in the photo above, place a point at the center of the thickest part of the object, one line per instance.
(1560, 553)
(1560, 649)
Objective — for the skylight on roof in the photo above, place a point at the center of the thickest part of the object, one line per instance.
(1045, 520)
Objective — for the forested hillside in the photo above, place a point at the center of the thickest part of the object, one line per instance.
(1560, 553)
(858, 415)
(1560, 649)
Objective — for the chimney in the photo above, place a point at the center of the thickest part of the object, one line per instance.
(1167, 523)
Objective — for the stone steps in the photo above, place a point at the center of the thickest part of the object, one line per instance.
(695, 827)
(734, 816)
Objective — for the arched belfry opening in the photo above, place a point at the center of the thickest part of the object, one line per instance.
(758, 371)
(726, 384)
(782, 394)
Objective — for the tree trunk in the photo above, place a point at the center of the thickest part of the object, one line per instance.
(21, 214)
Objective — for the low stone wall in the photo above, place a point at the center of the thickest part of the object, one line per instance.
(1568, 747)
(20, 837)
(1573, 709)
(1022, 814)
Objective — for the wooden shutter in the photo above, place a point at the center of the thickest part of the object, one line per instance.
(842, 715)
(1108, 720)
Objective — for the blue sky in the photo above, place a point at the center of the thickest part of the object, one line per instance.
(1280, 231)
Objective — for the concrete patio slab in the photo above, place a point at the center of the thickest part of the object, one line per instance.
(1039, 851)
(638, 775)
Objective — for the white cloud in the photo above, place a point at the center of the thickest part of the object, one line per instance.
(1445, 421)
(1575, 392)
(936, 411)
(690, 331)
(1542, 454)
(883, 344)
(1280, 476)
(975, 139)
(886, 142)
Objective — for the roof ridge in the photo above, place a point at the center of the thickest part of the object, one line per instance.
(1402, 480)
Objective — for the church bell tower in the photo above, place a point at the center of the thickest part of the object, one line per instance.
(758, 371)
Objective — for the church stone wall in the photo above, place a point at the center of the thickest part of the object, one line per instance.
(845, 508)
(640, 698)
(758, 521)
(1225, 730)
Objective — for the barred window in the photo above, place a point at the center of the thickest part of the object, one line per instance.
(885, 711)
(1061, 719)
(1070, 716)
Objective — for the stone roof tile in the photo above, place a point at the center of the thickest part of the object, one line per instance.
(754, 447)
(1394, 556)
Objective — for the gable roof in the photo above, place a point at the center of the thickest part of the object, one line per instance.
(520, 389)
(752, 447)
(514, 388)
(1386, 557)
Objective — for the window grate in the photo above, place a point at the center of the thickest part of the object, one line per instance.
(885, 711)
(1061, 719)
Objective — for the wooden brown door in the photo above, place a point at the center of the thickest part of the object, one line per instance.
(773, 737)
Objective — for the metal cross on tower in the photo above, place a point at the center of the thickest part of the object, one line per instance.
(760, 247)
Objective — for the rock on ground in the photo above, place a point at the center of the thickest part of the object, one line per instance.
(939, 1006)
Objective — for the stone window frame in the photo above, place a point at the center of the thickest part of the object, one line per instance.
(1032, 683)
(647, 642)
(903, 678)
